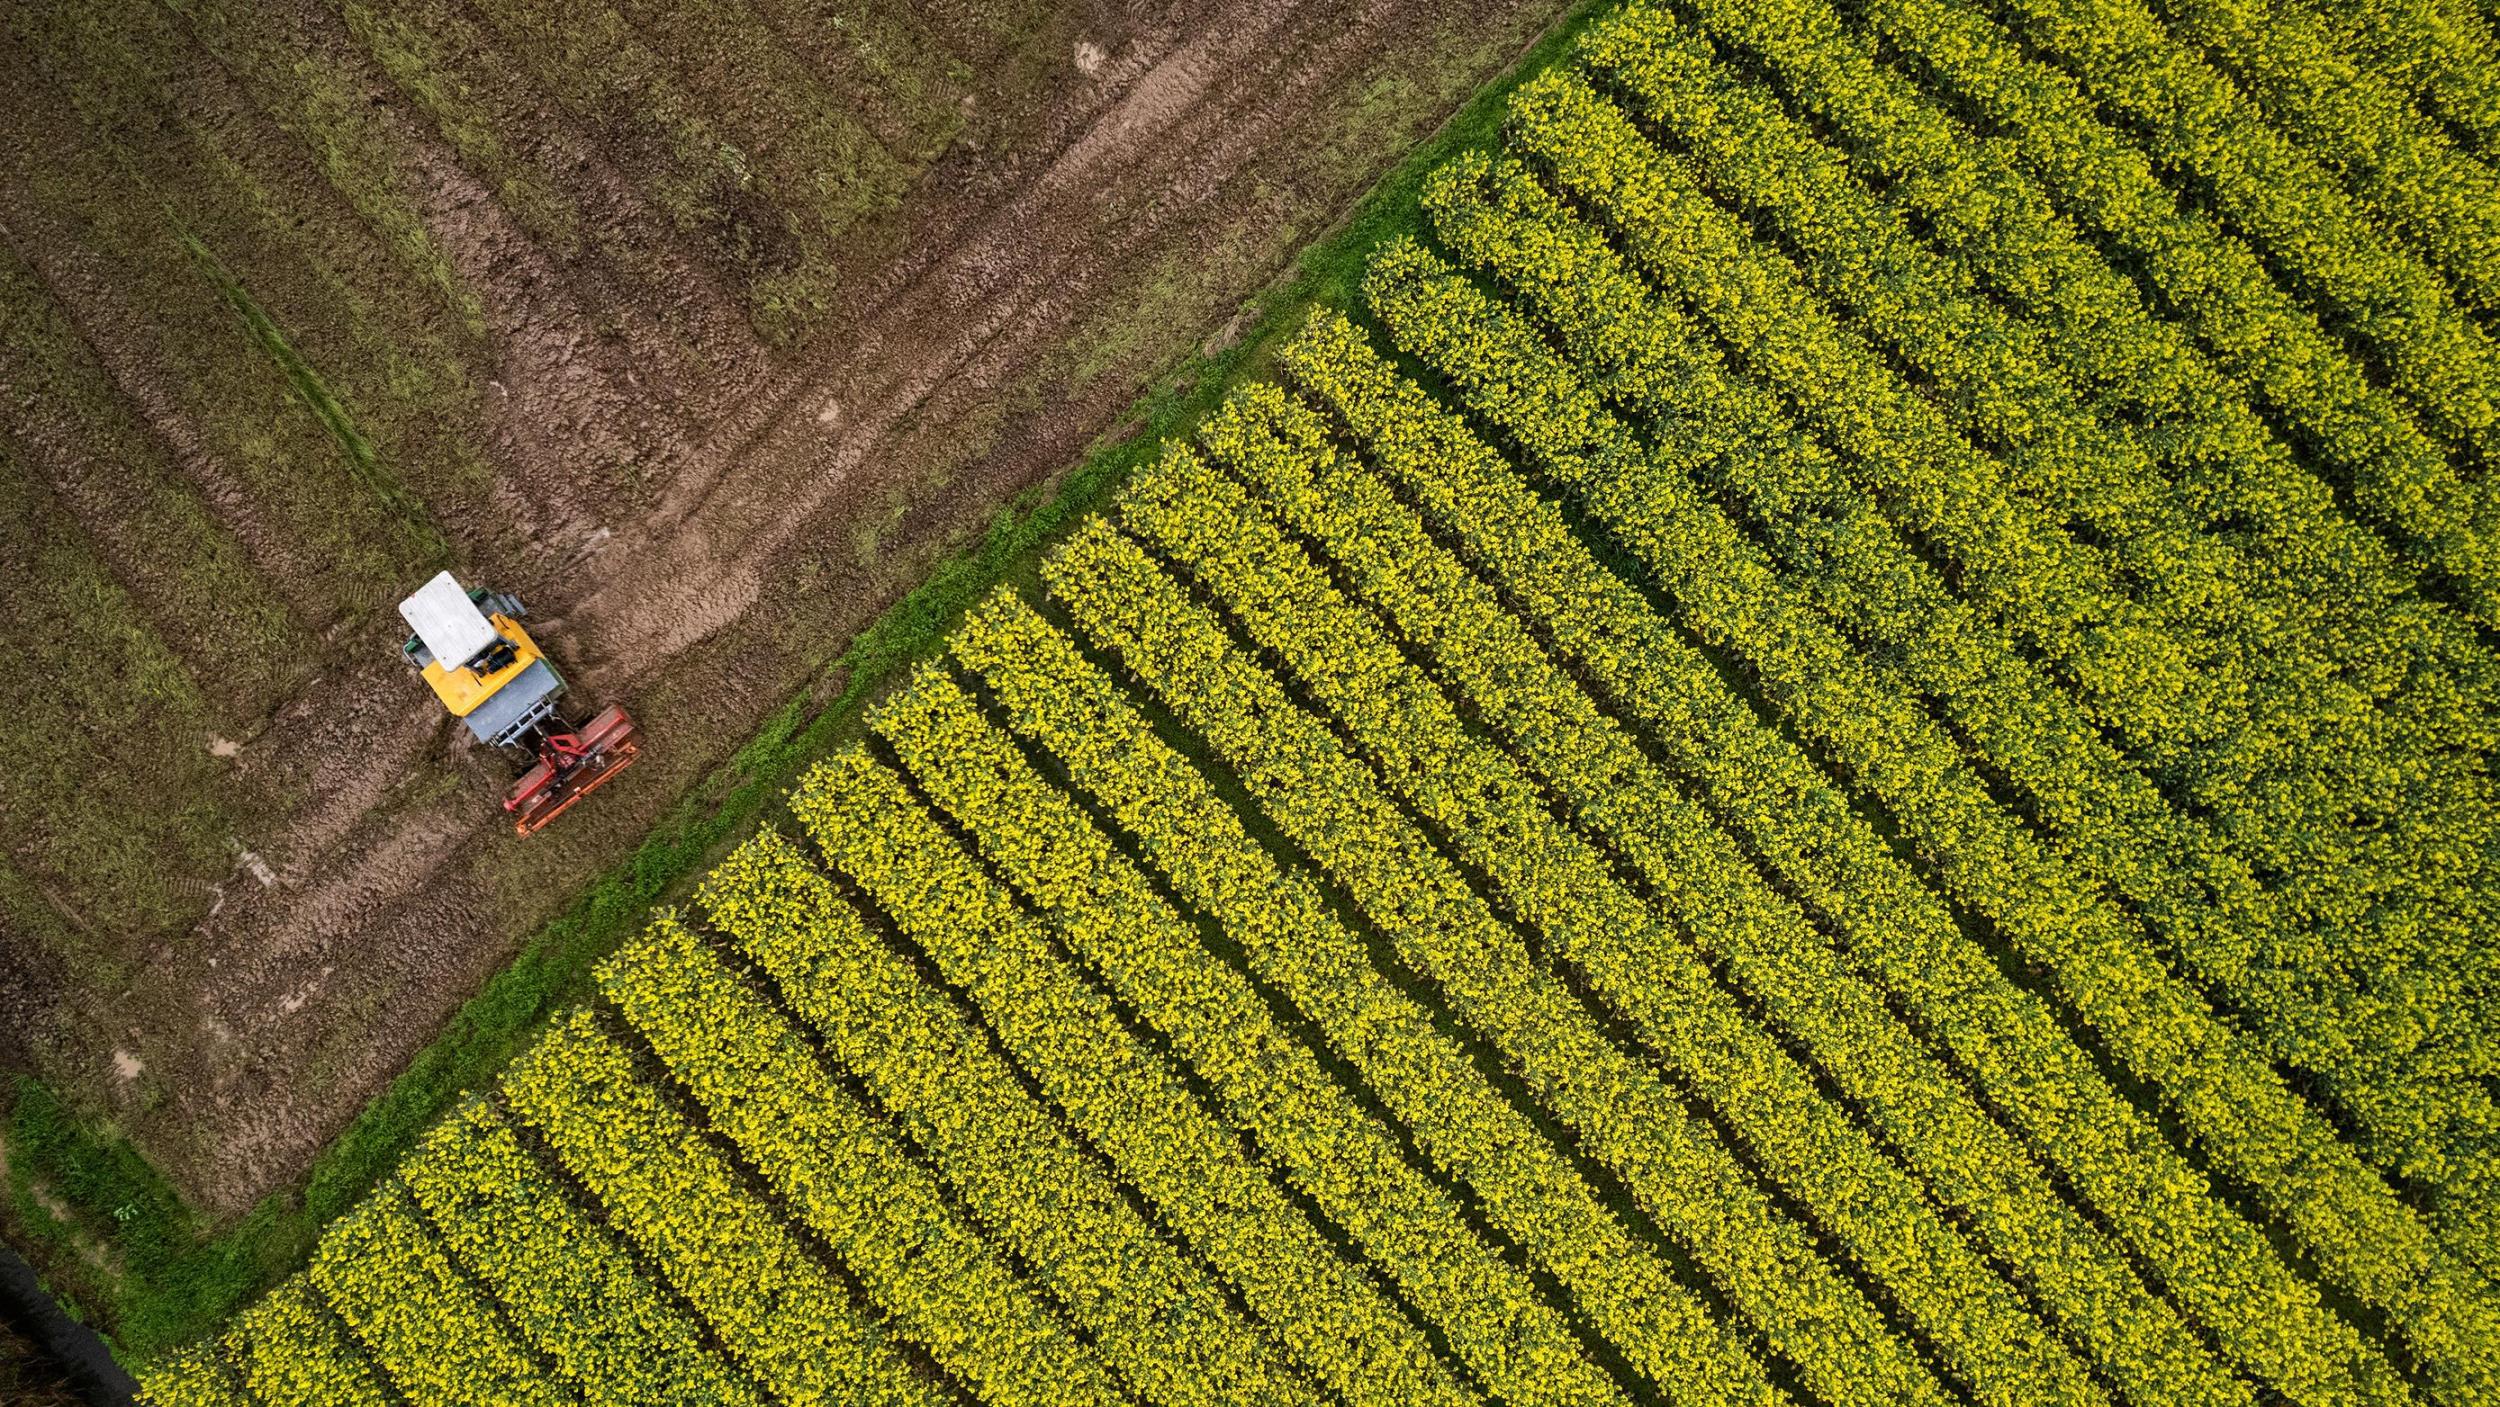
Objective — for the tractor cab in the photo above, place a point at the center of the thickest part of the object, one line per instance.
(484, 668)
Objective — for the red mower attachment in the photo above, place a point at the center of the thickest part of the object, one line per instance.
(571, 766)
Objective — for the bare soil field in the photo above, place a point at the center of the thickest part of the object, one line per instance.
(705, 329)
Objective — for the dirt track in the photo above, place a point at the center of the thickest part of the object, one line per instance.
(797, 493)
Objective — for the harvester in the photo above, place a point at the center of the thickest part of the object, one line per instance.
(470, 647)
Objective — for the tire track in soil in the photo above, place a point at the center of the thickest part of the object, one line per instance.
(390, 907)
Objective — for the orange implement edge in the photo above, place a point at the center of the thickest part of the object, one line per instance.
(612, 741)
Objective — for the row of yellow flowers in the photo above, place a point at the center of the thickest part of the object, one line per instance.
(845, 1177)
(470, 1202)
(1337, 1322)
(2214, 1078)
(423, 1321)
(1996, 380)
(197, 1376)
(2292, 661)
(564, 1282)
(2218, 286)
(1489, 1313)
(1982, 211)
(1495, 819)
(2192, 123)
(1349, 1163)
(1156, 1317)
(2440, 57)
(2020, 382)
(1622, 1113)
(288, 1350)
(1978, 204)
(1768, 795)
(2404, 172)
(2325, 1000)
(2009, 555)
(728, 1252)
(1766, 948)
(293, 1352)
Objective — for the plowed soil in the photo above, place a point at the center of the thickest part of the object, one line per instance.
(707, 431)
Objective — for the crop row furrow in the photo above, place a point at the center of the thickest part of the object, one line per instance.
(440, 1342)
(2288, 662)
(771, 1304)
(1108, 909)
(1339, 1324)
(1765, 945)
(2288, 667)
(1804, 832)
(1976, 205)
(1561, 886)
(2399, 474)
(1490, 1314)
(1156, 1315)
(1730, 436)
(2217, 1082)
(1985, 372)
(2012, 556)
(566, 1284)
(2194, 125)
(2403, 171)
(847, 1179)
(1332, 806)
(2423, 664)
(291, 1352)
(194, 1377)
(2439, 54)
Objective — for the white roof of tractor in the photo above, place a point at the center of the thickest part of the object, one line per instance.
(453, 628)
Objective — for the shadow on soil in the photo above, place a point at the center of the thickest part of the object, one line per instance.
(69, 1362)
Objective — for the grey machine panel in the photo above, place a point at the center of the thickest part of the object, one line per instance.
(510, 710)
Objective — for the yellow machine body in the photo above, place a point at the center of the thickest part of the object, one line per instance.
(463, 690)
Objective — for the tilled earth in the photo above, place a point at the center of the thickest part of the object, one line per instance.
(699, 506)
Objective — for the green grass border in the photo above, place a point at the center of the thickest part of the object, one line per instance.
(179, 1278)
